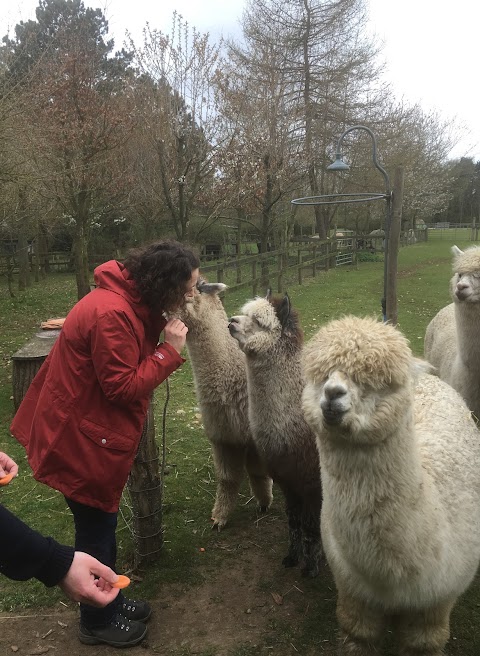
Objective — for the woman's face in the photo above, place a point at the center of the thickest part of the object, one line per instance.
(192, 284)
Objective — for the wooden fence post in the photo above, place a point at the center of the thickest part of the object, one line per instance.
(280, 272)
(299, 262)
(238, 268)
(145, 488)
(254, 278)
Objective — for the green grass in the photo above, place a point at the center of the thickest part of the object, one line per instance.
(424, 273)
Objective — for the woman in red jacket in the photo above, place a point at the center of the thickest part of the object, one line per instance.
(82, 417)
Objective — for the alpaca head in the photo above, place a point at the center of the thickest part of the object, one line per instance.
(465, 283)
(265, 322)
(204, 303)
(358, 380)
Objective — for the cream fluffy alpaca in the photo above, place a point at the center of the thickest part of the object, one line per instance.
(451, 340)
(401, 486)
(221, 388)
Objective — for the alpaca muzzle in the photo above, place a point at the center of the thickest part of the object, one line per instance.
(334, 403)
(333, 413)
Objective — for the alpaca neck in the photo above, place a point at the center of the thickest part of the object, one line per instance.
(376, 483)
(210, 345)
(274, 384)
(467, 320)
(275, 375)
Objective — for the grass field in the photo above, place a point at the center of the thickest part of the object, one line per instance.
(423, 280)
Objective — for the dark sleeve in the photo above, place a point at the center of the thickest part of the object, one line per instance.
(26, 554)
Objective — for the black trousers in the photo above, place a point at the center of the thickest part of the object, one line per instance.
(95, 534)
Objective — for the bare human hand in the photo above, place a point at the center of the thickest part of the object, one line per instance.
(7, 465)
(81, 584)
(176, 334)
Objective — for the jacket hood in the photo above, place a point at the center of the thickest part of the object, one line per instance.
(112, 275)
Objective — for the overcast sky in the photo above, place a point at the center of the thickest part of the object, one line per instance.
(431, 47)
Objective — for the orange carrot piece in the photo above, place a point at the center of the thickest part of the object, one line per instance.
(6, 479)
(122, 582)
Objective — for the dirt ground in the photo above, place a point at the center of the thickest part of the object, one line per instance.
(249, 605)
(235, 612)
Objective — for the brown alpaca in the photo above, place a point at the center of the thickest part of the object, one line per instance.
(269, 334)
(221, 388)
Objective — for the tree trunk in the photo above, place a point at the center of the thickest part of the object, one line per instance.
(22, 257)
(27, 361)
(80, 259)
(24, 371)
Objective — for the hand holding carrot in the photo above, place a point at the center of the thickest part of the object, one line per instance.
(81, 582)
(8, 467)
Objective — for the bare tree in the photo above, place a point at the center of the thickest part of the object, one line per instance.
(260, 167)
(180, 122)
(72, 95)
(330, 64)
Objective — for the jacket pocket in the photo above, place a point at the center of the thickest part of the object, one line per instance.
(106, 438)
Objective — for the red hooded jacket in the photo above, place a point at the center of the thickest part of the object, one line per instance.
(82, 417)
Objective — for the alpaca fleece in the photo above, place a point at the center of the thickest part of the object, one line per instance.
(451, 338)
(221, 388)
(399, 457)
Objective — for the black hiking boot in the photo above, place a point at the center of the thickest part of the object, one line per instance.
(138, 611)
(119, 633)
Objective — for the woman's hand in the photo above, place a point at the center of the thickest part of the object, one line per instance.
(80, 582)
(7, 465)
(175, 333)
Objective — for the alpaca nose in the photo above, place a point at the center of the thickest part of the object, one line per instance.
(335, 402)
(334, 390)
(232, 325)
(462, 290)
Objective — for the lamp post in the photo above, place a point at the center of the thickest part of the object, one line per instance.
(340, 165)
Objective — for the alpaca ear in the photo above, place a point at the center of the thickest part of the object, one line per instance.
(283, 310)
(211, 287)
(456, 251)
(269, 294)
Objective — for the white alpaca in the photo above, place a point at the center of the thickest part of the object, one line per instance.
(269, 334)
(451, 340)
(221, 388)
(401, 486)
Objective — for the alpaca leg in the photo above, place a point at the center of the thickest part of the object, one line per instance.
(360, 627)
(424, 633)
(229, 467)
(311, 540)
(293, 509)
(260, 481)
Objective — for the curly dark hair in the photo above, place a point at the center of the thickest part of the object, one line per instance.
(161, 271)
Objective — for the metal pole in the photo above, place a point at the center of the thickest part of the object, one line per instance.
(394, 241)
(388, 209)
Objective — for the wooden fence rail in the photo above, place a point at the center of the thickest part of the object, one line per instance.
(306, 253)
(270, 269)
